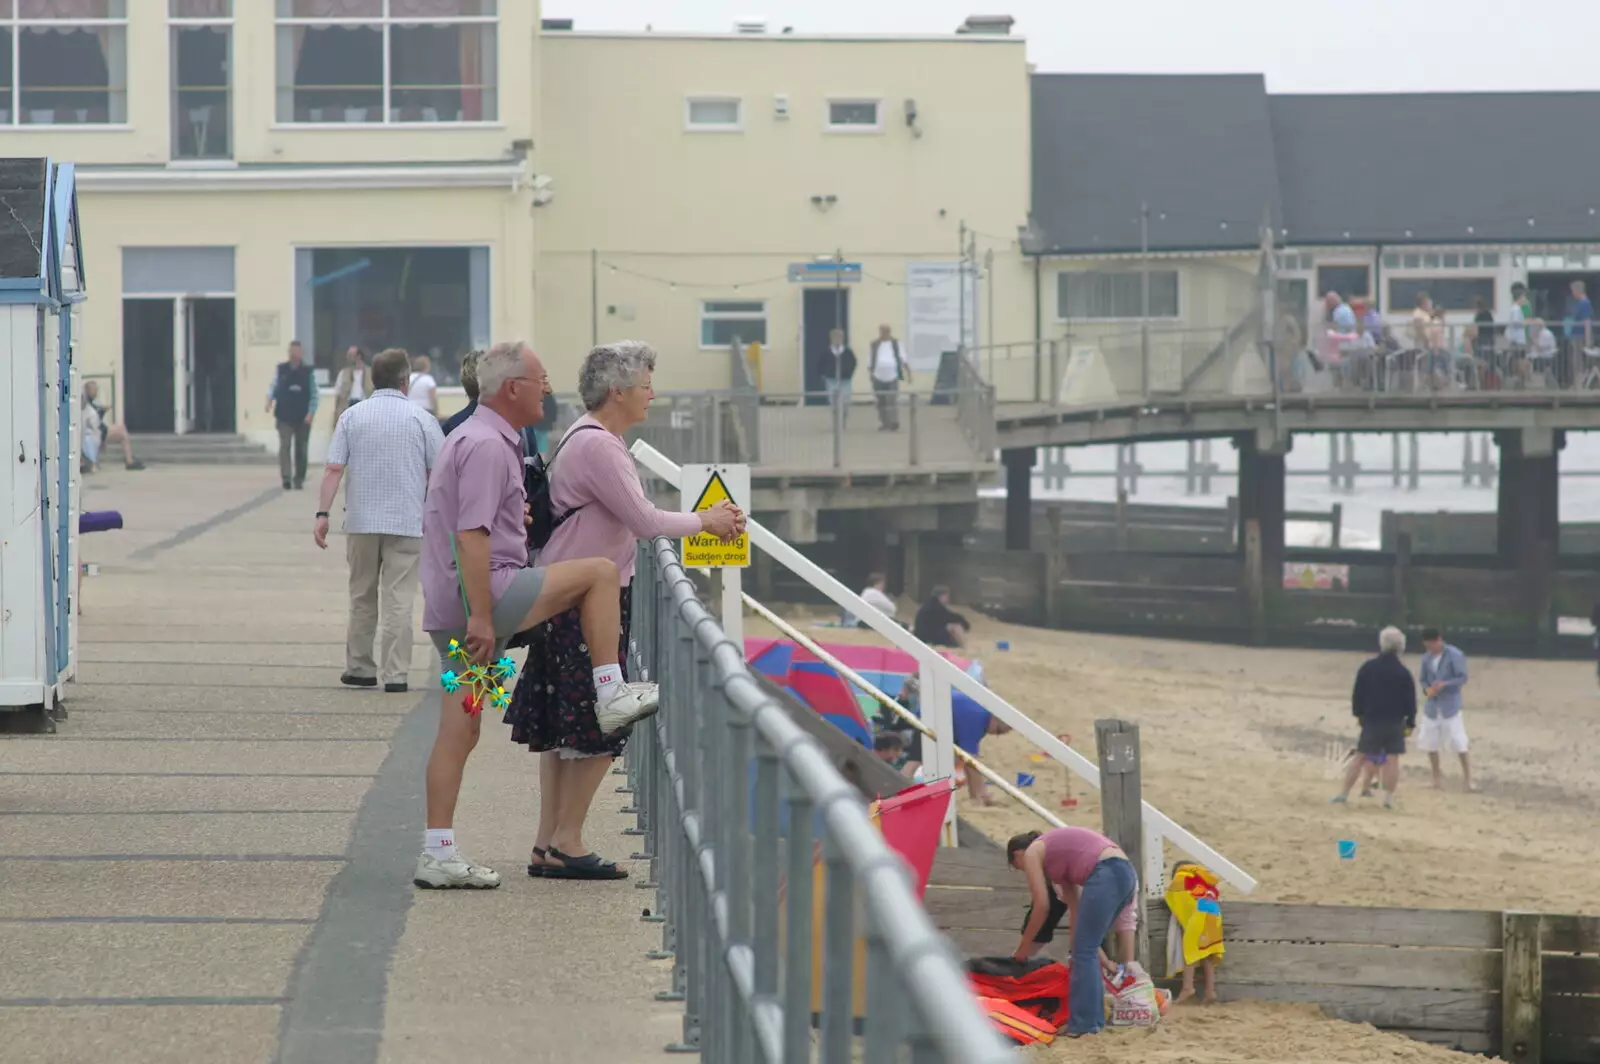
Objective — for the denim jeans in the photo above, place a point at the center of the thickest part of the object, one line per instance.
(1105, 893)
(839, 395)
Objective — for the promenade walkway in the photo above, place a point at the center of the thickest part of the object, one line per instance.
(211, 861)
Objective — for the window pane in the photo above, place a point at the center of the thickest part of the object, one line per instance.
(1116, 295)
(442, 72)
(330, 74)
(736, 306)
(1348, 281)
(416, 298)
(847, 113)
(330, 8)
(1391, 262)
(1470, 260)
(1451, 293)
(6, 103)
(719, 332)
(713, 112)
(435, 9)
(1413, 261)
(73, 75)
(1430, 262)
(5, 9)
(1491, 258)
(200, 8)
(200, 111)
(75, 9)
(1452, 261)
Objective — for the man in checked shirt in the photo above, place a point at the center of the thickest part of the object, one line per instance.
(387, 446)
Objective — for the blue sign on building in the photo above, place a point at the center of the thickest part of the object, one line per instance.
(825, 272)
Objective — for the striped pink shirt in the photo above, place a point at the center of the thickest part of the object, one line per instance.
(595, 471)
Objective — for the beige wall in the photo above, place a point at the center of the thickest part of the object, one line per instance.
(257, 136)
(711, 210)
(264, 228)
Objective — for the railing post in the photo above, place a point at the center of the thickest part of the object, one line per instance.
(797, 926)
(838, 429)
(911, 398)
(838, 956)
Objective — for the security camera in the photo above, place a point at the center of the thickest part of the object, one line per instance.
(543, 192)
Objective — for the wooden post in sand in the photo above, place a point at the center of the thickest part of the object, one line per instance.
(1254, 581)
(1116, 743)
(1522, 989)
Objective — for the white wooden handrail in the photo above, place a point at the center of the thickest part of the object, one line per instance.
(938, 676)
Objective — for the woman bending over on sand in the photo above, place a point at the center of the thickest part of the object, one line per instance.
(1097, 882)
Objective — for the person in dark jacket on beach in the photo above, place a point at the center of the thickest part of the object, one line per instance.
(1385, 702)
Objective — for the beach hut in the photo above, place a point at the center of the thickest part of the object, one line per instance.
(41, 284)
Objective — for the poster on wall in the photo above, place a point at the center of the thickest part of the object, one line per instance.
(935, 312)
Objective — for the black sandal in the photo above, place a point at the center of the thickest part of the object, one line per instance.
(589, 866)
(537, 870)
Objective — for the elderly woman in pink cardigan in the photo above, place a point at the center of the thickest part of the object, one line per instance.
(594, 482)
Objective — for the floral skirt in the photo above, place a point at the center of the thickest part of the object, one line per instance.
(552, 707)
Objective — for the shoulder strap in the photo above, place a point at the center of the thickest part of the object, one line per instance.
(563, 442)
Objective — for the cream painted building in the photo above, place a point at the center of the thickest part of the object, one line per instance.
(337, 171)
(696, 176)
(435, 174)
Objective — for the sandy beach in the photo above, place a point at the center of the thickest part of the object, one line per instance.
(1236, 745)
(1239, 746)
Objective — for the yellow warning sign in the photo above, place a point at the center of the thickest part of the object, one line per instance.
(703, 487)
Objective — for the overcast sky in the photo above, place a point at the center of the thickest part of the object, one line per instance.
(1304, 46)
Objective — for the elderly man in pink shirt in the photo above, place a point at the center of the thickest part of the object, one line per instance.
(595, 485)
(477, 587)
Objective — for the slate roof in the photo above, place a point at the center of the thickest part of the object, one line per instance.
(1360, 169)
(22, 185)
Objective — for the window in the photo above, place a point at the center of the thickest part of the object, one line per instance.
(1491, 259)
(63, 62)
(1450, 293)
(386, 61)
(1348, 281)
(853, 116)
(1469, 260)
(1391, 261)
(1084, 295)
(202, 64)
(713, 113)
(726, 321)
(431, 301)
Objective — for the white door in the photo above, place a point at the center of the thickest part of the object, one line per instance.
(183, 364)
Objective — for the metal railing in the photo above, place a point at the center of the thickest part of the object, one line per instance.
(723, 849)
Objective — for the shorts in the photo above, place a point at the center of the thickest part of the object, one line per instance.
(1379, 742)
(1451, 732)
(509, 610)
(1127, 919)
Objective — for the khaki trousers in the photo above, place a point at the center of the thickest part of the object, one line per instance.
(383, 578)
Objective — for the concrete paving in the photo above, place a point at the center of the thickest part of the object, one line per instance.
(211, 860)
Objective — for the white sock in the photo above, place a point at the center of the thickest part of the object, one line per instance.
(607, 681)
(439, 843)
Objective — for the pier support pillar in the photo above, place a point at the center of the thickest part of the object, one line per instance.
(1261, 497)
(1529, 522)
(1019, 496)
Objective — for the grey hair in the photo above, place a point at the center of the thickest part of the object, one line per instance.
(500, 363)
(1391, 641)
(618, 364)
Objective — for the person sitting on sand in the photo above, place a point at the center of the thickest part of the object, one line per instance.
(938, 625)
(1097, 883)
(1385, 702)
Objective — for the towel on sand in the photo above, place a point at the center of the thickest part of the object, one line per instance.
(1195, 930)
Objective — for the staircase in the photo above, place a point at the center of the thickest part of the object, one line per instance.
(200, 448)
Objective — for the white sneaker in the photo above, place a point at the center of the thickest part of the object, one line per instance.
(629, 704)
(457, 872)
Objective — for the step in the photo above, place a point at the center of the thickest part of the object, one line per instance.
(200, 449)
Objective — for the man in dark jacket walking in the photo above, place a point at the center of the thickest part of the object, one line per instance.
(1385, 702)
(838, 371)
(292, 400)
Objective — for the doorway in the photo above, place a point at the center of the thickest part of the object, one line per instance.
(1551, 292)
(209, 355)
(822, 310)
(178, 361)
(147, 367)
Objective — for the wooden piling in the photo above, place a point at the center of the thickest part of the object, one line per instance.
(1116, 743)
(1521, 988)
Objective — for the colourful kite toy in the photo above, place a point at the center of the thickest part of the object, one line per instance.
(484, 683)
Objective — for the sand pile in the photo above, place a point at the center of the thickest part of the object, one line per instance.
(1244, 1032)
